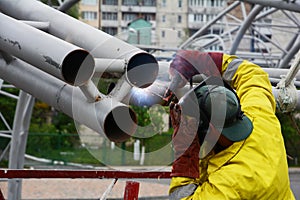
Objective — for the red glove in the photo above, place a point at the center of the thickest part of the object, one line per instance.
(186, 144)
(191, 62)
(188, 63)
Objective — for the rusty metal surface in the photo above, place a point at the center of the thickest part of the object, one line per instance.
(100, 174)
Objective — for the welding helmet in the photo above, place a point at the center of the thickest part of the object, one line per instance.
(215, 103)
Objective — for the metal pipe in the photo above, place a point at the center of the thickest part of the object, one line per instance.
(284, 63)
(277, 73)
(97, 42)
(43, 26)
(245, 25)
(109, 65)
(90, 91)
(282, 5)
(204, 28)
(294, 69)
(19, 140)
(66, 5)
(50, 54)
(107, 116)
(154, 93)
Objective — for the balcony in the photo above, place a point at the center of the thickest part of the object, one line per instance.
(109, 8)
(139, 9)
(109, 23)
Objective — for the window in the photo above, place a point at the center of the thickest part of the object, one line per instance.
(179, 19)
(163, 34)
(89, 15)
(109, 16)
(149, 3)
(179, 3)
(164, 3)
(210, 17)
(198, 18)
(265, 37)
(89, 2)
(149, 17)
(215, 3)
(179, 34)
(163, 18)
(129, 16)
(110, 30)
(200, 3)
(130, 2)
(110, 2)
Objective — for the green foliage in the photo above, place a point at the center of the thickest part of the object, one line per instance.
(291, 136)
(150, 120)
(73, 11)
(59, 147)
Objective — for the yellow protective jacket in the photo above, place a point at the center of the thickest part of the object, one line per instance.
(255, 168)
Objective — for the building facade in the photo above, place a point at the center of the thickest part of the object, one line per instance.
(172, 21)
(167, 17)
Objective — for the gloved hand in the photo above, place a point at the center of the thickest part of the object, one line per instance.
(191, 62)
(188, 63)
(185, 143)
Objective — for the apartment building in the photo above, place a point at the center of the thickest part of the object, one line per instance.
(172, 21)
(89, 12)
(167, 17)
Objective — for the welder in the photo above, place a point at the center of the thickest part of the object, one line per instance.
(227, 139)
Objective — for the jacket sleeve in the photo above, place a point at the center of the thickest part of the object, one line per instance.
(251, 83)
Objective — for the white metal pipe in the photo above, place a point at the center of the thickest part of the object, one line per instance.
(281, 4)
(204, 28)
(109, 65)
(44, 26)
(19, 140)
(107, 116)
(97, 42)
(61, 59)
(91, 92)
(293, 70)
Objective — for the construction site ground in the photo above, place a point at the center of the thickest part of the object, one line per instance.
(90, 189)
(84, 189)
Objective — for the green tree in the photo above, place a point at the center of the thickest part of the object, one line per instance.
(73, 11)
(290, 124)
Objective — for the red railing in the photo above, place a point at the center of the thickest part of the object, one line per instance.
(131, 188)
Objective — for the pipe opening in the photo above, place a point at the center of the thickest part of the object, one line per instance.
(142, 70)
(120, 124)
(78, 67)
